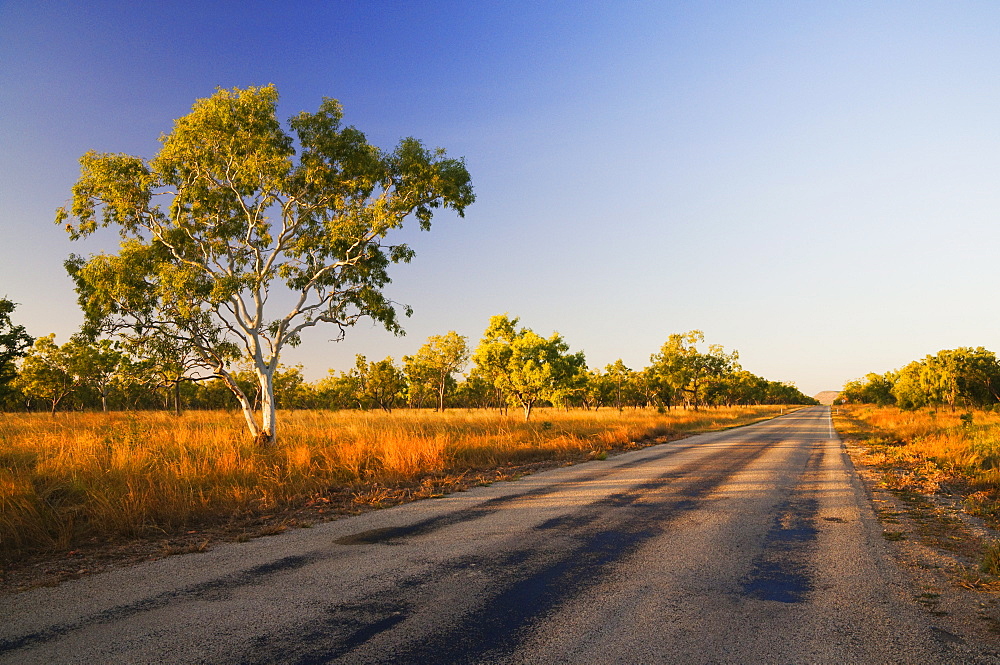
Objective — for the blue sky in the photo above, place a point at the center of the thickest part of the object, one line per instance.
(816, 185)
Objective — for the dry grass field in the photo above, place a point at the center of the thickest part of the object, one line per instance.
(934, 484)
(92, 478)
(929, 450)
(938, 464)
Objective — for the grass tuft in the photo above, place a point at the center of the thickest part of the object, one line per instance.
(990, 563)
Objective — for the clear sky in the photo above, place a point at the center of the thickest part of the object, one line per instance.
(813, 184)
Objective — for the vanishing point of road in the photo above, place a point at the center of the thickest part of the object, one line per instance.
(752, 545)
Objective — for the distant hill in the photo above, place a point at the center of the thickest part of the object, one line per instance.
(827, 396)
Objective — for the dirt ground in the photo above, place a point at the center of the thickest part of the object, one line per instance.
(940, 546)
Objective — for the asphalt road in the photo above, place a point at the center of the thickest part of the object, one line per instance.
(755, 545)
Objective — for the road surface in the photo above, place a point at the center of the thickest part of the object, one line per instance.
(755, 545)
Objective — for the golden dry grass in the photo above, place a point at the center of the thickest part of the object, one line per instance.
(90, 477)
(927, 450)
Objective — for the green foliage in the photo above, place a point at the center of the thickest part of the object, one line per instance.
(619, 385)
(378, 383)
(160, 373)
(96, 365)
(524, 367)
(477, 391)
(964, 376)
(684, 372)
(14, 342)
(234, 211)
(872, 389)
(336, 391)
(990, 561)
(46, 373)
(598, 390)
(742, 387)
(430, 370)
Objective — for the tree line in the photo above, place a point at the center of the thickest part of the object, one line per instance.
(511, 367)
(239, 215)
(964, 377)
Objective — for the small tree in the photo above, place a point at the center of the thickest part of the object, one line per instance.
(741, 387)
(289, 387)
(619, 376)
(95, 365)
(597, 390)
(380, 383)
(477, 391)
(655, 388)
(420, 383)
(46, 372)
(436, 361)
(166, 363)
(243, 221)
(522, 365)
(686, 370)
(336, 390)
(14, 343)
(873, 389)
(967, 375)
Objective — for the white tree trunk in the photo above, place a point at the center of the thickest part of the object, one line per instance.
(249, 414)
(268, 408)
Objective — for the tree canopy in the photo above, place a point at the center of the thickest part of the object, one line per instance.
(514, 367)
(14, 342)
(431, 368)
(965, 376)
(236, 217)
(47, 371)
(524, 366)
(685, 371)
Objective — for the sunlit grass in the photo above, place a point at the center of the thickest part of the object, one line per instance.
(83, 477)
(930, 450)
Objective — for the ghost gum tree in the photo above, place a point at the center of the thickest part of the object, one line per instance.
(235, 214)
